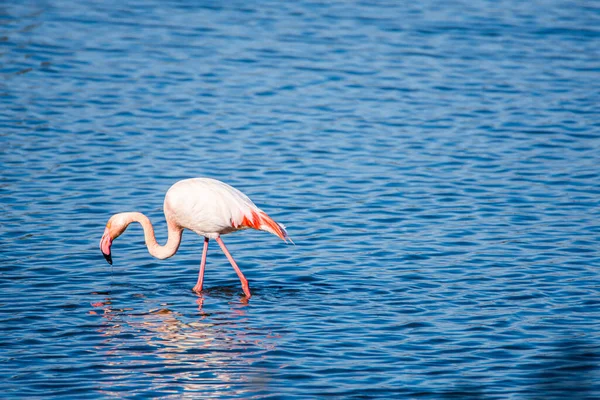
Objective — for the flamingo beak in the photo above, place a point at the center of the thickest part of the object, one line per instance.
(105, 244)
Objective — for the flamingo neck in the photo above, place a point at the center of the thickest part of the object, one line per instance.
(156, 250)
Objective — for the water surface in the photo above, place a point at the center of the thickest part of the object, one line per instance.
(436, 165)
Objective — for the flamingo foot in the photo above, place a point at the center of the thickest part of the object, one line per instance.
(246, 290)
(197, 289)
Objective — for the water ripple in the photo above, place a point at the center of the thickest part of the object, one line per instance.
(436, 167)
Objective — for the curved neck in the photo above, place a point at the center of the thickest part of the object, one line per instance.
(156, 250)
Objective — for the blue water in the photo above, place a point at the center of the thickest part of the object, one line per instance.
(437, 165)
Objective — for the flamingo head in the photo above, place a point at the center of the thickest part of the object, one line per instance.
(114, 228)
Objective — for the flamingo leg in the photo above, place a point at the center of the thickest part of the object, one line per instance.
(198, 287)
(243, 279)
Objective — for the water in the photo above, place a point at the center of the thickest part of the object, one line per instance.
(436, 165)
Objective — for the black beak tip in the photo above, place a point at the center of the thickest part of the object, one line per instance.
(108, 258)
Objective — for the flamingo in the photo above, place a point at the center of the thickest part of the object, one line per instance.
(210, 208)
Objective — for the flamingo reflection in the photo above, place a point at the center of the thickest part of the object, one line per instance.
(205, 352)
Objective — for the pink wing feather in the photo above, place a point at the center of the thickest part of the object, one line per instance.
(259, 220)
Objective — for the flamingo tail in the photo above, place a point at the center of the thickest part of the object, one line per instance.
(267, 224)
(261, 221)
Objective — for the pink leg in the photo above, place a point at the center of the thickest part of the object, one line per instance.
(198, 287)
(243, 279)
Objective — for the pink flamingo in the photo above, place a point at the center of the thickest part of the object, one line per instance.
(206, 206)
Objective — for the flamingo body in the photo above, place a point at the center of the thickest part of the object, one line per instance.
(212, 208)
(206, 206)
